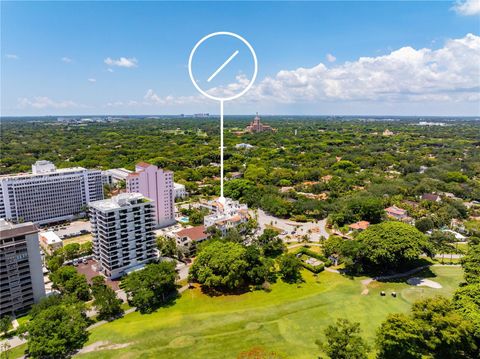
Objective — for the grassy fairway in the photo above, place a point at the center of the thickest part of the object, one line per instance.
(287, 320)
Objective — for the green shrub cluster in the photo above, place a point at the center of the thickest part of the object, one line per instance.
(320, 257)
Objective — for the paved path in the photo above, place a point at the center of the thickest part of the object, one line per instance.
(400, 275)
(449, 256)
(14, 341)
(128, 311)
(296, 245)
(328, 269)
(17, 341)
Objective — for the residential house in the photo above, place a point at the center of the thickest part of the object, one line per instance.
(396, 213)
(359, 226)
(189, 238)
(431, 197)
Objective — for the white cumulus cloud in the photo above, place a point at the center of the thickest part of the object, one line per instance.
(450, 73)
(231, 89)
(152, 99)
(122, 62)
(467, 7)
(330, 58)
(41, 102)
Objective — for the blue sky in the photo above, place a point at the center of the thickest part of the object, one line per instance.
(66, 58)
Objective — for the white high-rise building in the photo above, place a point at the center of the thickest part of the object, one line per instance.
(21, 275)
(156, 184)
(123, 236)
(48, 194)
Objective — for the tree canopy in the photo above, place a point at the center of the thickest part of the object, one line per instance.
(150, 287)
(392, 245)
(57, 329)
(433, 328)
(343, 341)
(220, 265)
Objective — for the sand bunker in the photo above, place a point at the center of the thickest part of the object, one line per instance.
(182, 342)
(102, 345)
(422, 282)
(253, 326)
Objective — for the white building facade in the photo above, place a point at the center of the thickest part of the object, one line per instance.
(48, 194)
(156, 184)
(180, 190)
(123, 236)
(115, 175)
(21, 275)
(225, 214)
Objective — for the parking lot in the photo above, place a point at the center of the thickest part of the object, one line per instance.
(89, 270)
(72, 229)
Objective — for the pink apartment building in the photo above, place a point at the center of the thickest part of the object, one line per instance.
(156, 184)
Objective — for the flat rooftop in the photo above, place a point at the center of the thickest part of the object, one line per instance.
(9, 230)
(120, 201)
(51, 237)
(42, 174)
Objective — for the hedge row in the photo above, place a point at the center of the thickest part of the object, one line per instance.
(313, 269)
(311, 253)
(315, 255)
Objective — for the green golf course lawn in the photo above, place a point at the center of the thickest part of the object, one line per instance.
(286, 320)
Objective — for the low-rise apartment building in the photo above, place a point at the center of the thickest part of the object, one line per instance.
(50, 241)
(115, 175)
(225, 214)
(180, 190)
(189, 238)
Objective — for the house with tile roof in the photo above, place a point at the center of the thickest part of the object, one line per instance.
(189, 238)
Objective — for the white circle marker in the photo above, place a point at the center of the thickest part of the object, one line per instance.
(213, 75)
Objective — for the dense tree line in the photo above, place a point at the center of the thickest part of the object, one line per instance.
(334, 157)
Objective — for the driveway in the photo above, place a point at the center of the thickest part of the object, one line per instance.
(317, 229)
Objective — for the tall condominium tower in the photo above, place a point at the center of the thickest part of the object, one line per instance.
(123, 236)
(156, 184)
(48, 194)
(21, 275)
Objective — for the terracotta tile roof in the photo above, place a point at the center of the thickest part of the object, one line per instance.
(236, 218)
(394, 210)
(143, 164)
(193, 233)
(360, 225)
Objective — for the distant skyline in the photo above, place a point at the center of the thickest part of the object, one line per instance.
(315, 58)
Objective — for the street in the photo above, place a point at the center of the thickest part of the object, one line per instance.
(314, 230)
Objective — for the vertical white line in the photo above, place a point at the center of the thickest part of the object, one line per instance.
(221, 149)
